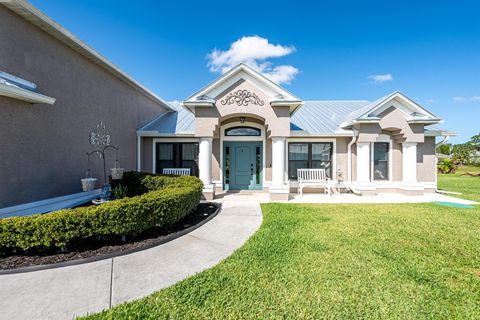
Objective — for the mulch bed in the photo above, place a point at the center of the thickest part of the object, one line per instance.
(113, 245)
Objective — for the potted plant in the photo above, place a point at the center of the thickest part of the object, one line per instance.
(88, 184)
(117, 172)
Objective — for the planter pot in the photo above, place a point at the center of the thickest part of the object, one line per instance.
(117, 173)
(88, 184)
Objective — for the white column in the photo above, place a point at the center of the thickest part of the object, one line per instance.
(363, 162)
(279, 189)
(409, 163)
(205, 161)
(278, 161)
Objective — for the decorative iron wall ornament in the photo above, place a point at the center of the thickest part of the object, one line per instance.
(99, 136)
(242, 97)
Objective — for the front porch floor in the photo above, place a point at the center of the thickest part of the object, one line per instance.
(264, 197)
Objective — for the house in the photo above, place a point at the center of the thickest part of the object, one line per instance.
(240, 132)
(248, 133)
(54, 89)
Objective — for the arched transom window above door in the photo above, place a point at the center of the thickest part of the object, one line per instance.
(242, 132)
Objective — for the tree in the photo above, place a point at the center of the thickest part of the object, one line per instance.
(462, 153)
(475, 141)
(444, 149)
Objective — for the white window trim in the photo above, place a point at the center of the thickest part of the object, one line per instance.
(166, 140)
(387, 139)
(306, 140)
(261, 138)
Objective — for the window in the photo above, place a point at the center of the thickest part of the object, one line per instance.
(380, 160)
(314, 155)
(242, 131)
(177, 155)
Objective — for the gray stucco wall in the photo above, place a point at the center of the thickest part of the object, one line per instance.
(426, 168)
(147, 155)
(43, 147)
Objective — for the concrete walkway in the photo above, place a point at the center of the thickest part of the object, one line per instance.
(67, 292)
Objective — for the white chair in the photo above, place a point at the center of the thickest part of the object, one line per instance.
(313, 177)
(177, 171)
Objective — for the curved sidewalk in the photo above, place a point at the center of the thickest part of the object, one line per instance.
(64, 293)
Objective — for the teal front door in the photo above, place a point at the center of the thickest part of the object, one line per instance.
(243, 165)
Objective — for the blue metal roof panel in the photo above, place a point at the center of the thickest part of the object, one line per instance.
(179, 121)
(314, 117)
(324, 117)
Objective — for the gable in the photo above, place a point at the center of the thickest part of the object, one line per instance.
(393, 122)
(243, 98)
(372, 113)
(410, 108)
(275, 94)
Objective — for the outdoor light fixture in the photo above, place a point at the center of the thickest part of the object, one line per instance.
(242, 119)
(339, 175)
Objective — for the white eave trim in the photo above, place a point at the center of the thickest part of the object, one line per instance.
(156, 134)
(295, 133)
(280, 103)
(425, 121)
(373, 120)
(293, 104)
(436, 133)
(25, 95)
(199, 103)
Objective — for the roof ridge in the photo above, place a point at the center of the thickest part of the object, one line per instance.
(339, 100)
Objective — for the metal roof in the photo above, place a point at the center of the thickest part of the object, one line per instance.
(366, 108)
(324, 117)
(314, 117)
(177, 122)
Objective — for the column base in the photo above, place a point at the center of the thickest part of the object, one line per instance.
(279, 192)
(208, 192)
(366, 189)
(412, 189)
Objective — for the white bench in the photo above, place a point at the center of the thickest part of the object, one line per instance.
(177, 171)
(313, 177)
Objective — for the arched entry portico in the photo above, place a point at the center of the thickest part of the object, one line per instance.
(242, 98)
(242, 155)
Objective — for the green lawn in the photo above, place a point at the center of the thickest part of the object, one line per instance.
(337, 262)
(459, 182)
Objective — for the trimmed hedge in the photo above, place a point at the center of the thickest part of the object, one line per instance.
(153, 201)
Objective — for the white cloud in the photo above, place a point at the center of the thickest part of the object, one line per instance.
(463, 99)
(380, 78)
(255, 52)
(430, 101)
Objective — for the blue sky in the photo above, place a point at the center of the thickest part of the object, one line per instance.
(330, 49)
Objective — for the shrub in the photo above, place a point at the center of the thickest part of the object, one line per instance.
(165, 201)
(119, 192)
(132, 180)
(446, 166)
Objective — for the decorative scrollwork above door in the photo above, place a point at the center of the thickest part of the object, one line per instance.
(242, 97)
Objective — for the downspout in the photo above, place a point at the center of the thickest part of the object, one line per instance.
(139, 153)
(445, 139)
(349, 159)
